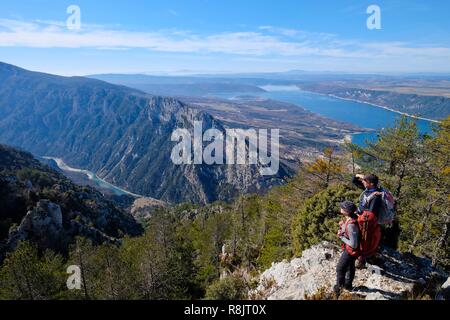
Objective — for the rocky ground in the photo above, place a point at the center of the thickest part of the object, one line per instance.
(142, 208)
(394, 276)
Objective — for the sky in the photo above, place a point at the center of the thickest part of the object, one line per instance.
(225, 36)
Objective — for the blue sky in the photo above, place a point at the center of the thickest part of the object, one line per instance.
(224, 36)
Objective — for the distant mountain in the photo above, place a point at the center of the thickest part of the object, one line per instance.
(121, 134)
(178, 86)
(424, 95)
(41, 205)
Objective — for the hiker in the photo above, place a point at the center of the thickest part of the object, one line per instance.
(381, 203)
(370, 199)
(349, 235)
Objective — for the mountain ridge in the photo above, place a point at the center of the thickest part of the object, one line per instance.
(115, 132)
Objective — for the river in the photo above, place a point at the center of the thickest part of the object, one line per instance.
(99, 182)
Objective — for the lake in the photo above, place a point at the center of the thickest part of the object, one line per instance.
(360, 114)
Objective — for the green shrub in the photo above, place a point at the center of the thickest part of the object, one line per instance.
(230, 288)
(37, 177)
(318, 218)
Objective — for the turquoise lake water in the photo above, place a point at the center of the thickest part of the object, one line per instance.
(361, 114)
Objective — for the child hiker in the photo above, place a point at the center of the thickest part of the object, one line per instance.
(349, 235)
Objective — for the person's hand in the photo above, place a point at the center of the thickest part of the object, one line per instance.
(339, 233)
(360, 176)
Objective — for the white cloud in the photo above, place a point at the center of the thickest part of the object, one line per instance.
(267, 41)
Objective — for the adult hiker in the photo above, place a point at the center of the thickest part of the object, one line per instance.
(381, 203)
(349, 235)
(376, 207)
(370, 199)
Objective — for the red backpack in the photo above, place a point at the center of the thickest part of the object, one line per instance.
(369, 235)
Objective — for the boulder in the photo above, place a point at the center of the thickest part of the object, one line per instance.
(44, 224)
(444, 292)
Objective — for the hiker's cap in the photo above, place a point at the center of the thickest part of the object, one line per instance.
(348, 206)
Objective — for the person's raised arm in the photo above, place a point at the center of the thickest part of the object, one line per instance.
(357, 181)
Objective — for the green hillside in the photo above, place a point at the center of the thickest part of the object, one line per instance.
(186, 248)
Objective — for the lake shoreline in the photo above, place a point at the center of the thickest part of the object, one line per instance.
(355, 100)
(379, 106)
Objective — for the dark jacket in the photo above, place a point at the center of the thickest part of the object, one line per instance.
(366, 202)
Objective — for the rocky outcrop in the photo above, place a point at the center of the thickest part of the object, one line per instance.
(43, 224)
(444, 291)
(313, 275)
(142, 208)
(43, 206)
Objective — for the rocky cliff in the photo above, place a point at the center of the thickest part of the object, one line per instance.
(313, 275)
(41, 205)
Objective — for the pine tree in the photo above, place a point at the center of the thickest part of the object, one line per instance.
(318, 218)
(393, 155)
(327, 168)
(276, 244)
(27, 276)
(425, 208)
(82, 254)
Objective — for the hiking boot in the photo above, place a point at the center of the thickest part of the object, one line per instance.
(376, 260)
(348, 287)
(360, 263)
(337, 290)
